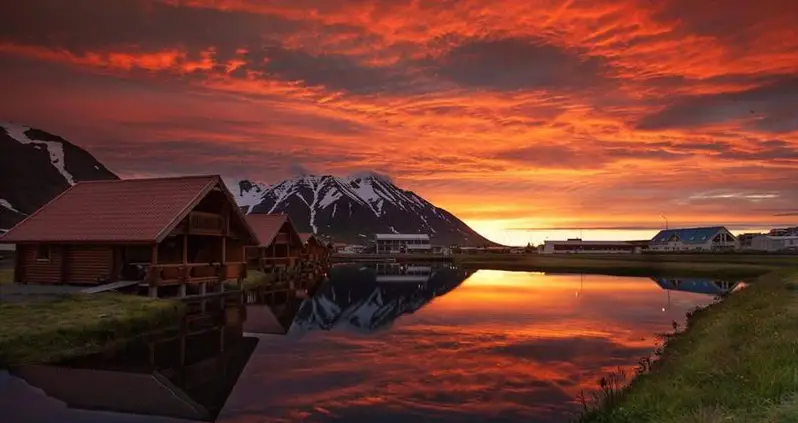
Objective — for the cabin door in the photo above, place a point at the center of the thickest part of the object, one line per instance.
(89, 265)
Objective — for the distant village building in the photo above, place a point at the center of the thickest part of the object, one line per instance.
(344, 248)
(715, 238)
(402, 243)
(772, 244)
(746, 240)
(578, 246)
(392, 272)
(791, 231)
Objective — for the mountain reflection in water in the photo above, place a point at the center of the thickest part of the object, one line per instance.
(442, 345)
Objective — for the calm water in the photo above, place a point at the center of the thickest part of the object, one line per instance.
(486, 346)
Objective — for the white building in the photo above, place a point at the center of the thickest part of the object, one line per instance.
(792, 231)
(403, 273)
(577, 246)
(402, 243)
(343, 248)
(715, 238)
(774, 243)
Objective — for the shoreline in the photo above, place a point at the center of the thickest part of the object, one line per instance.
(671, 265)
(65, 326)
(735, 362)
(77, 324)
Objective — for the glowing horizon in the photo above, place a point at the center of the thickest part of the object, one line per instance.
(516, 117)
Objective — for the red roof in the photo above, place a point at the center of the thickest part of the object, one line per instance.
(305, 237)
(128, 210)
(266, 227)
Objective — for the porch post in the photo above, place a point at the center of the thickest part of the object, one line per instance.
(186, 271)
(153, 290)
(225, 232)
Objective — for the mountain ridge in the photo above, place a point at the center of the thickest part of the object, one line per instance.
(35, 167)
(353, 208)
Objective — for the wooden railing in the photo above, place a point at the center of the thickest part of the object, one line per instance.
(176, 274)
(206, 223)
(269, 262)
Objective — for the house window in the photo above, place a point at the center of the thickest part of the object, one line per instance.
(43, 253)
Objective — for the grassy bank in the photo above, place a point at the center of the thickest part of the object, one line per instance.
(736, 362)
(256, 278)
(48, 331)
(6, 276)
(721, 265)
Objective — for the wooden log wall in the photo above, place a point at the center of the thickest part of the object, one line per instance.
(40, 271)
(88, 265)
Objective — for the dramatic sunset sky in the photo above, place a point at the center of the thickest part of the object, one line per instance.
(514, 115)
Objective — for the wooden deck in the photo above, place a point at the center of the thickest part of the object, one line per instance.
(199, 275)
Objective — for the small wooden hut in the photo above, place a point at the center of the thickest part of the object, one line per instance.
(279, 247)
(315, 255)
(180, 232)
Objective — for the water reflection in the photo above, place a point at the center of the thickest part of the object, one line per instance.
(428, 343)
(502, 346)
(698, 285)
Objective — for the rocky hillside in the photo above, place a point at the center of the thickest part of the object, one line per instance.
(351, 209)
(36, 166)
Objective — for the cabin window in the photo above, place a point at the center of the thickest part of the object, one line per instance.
(138, 253)
(43, 253)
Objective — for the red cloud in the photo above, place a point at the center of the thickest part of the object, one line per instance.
(543, 107)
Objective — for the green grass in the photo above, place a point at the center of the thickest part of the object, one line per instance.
(6, 276)
(74, 325)
(736, 362)
(710, 265)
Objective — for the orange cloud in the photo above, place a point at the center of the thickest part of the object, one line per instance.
(523, 114)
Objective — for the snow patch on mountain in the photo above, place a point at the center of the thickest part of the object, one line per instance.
(329, 198)
(249, 194)
(364, 190)
(54, 149)
(312, 206)
(7, 205)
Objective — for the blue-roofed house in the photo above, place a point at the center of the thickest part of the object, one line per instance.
(697, 285)
(715, 238)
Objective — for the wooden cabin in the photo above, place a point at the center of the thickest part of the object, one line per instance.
(174, 233)
(312, 249)
(315, 258)
(315, 251)
(279, 247)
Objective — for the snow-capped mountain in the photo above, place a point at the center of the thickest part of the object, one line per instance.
(353, 208)
(353, 300)
(36, 166)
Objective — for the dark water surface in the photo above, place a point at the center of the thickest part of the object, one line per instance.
(454, 347)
